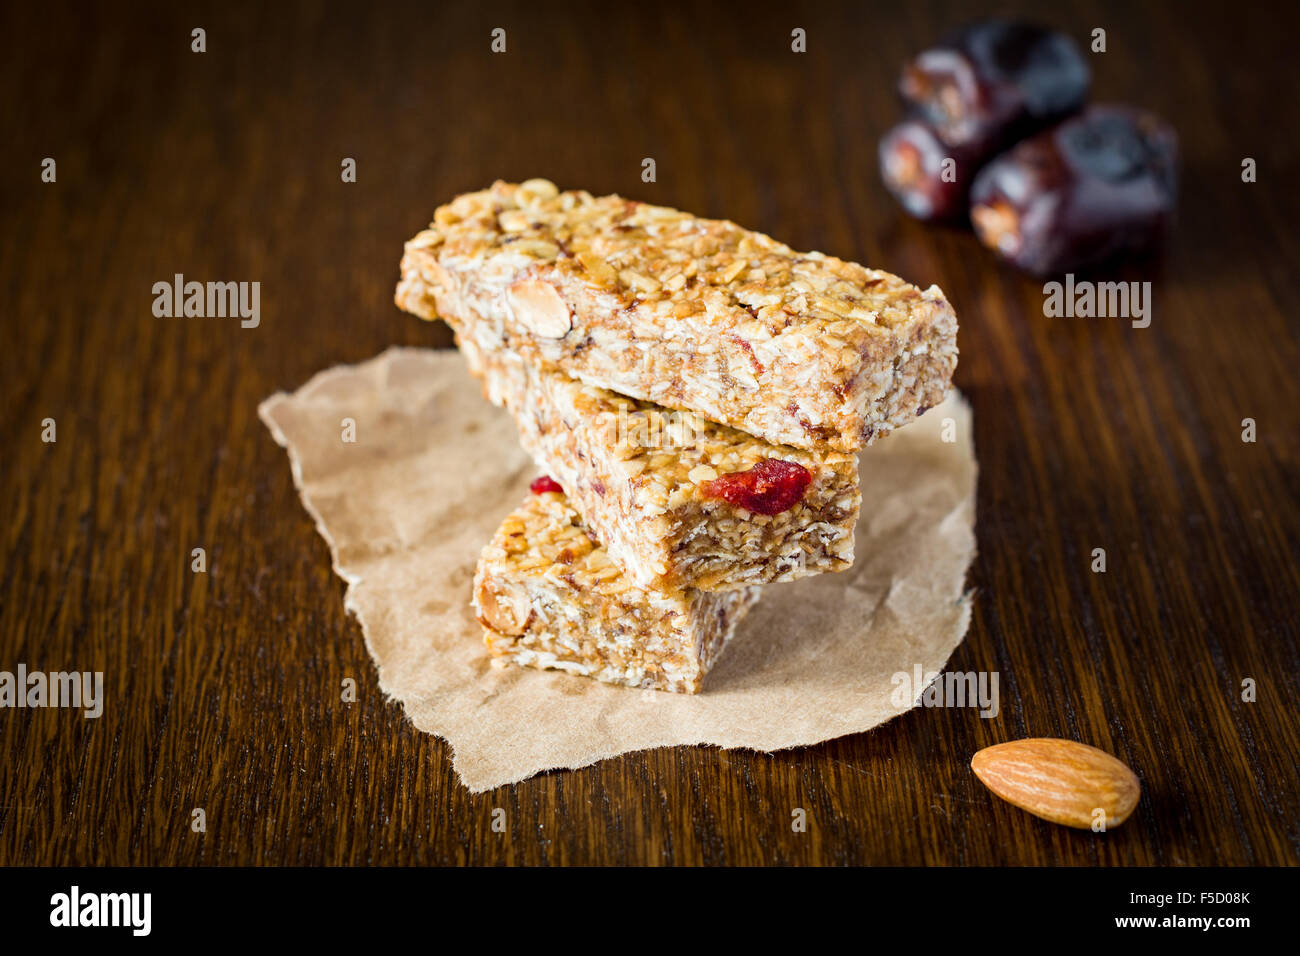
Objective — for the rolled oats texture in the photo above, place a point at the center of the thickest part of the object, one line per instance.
(798, 348)
(406, 512)
(548, 596)
(638, 473)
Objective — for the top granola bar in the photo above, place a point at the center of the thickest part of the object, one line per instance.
(695, 314)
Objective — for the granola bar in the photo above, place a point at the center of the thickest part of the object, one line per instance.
(696, 314)
(549, 596)
(678, 501)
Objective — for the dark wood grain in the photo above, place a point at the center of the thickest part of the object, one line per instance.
(222, 689)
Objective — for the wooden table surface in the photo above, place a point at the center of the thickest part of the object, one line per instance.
(222, 688)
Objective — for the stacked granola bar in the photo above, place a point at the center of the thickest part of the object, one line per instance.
(698, 391)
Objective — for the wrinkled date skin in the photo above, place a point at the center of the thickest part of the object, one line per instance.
(1097, 186)
(912, 158)
(995, 81)
(986, 86)
(769, 488)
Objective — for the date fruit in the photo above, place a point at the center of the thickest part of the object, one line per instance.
(995, 81)
(1099, 185)
(929, 178)
(980, 90)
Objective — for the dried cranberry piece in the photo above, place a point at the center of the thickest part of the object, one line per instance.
(770, 487)
(1097, 186)
(542, 485)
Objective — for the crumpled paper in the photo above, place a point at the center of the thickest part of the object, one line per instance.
(407, 471)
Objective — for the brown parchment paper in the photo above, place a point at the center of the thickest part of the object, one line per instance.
(407, 506)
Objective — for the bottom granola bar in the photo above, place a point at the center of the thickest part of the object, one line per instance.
(548, 596)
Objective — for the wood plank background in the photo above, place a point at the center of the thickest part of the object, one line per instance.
(222, 689)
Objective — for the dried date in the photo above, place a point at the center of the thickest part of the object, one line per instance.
(929, 178)
(1097, 186)
(995, 81)
(978, 91)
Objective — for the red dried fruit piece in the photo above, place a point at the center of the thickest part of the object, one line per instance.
(770, 487)
(542, 485)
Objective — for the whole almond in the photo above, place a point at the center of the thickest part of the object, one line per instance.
(538, 307)
(504, 613)
(1060, 780)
